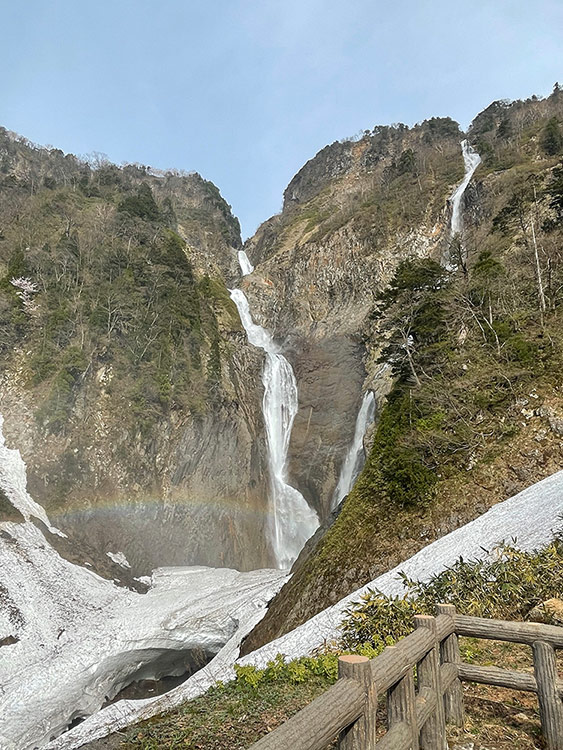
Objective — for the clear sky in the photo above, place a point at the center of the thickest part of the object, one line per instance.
(246, 91)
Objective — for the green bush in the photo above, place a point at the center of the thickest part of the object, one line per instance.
(551, 139)
(293, 671)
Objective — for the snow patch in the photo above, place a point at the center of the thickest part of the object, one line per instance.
(81, 639)
(119, 558)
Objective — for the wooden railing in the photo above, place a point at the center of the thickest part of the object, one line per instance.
(418, 710)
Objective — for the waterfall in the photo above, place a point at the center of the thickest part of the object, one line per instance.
(292, 521)
(471, 160)
(246, 266)
(355, 457)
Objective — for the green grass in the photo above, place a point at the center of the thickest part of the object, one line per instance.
(236, 714)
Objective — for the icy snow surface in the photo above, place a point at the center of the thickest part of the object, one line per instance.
(80, 638)
(529, 517)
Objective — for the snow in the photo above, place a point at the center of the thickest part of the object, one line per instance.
(530, 518)
(119, 558)
(14, 484)
(81, 637)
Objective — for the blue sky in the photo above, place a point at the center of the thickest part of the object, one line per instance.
(246, 91)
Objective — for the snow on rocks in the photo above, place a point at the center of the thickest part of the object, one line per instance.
(15, 487)
(119, 558)
(530, 518)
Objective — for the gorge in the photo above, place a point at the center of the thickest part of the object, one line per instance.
(180, 424)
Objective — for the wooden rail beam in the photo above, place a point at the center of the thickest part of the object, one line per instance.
(397, 738)
(399, 735)
(449, 651)
(433, 732)
(505, 678)
(515, 632)
(317, 724)
(551, 708)
(361, 734)
(392, 664)
(401, 707)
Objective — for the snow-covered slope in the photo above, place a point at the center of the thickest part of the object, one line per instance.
(74, 638)
(529, 517)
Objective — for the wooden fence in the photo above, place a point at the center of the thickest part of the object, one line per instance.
(418, 710)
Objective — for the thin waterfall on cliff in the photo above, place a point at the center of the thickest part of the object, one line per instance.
(246, 266)
(292, 521)
(355, 457)
(471, 160)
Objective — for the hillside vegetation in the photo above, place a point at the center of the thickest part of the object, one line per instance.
(123, 362)
(95, 271)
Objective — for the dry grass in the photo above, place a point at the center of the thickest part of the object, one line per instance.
(497, 718)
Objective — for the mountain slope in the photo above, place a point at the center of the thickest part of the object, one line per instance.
(126, 378)
(474, 411)
(350, 215)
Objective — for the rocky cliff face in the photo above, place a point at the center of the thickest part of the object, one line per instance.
(128, 384)
(350, 215)
(126, 379)
(464, 425)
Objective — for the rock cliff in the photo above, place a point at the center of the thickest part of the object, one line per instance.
(474, 352)
(126, 379)
(350, 215)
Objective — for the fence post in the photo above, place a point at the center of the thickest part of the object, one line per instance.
(449, 648)
(361, 734)
(433, 733)
(401, 705)
(551, 708)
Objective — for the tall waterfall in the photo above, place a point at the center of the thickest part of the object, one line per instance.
(355, 457)
(471, 159)
(292, 521)
(246, 266)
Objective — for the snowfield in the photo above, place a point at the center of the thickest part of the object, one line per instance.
(81, 637)
(531, 517)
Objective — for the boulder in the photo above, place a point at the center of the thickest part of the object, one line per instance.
(549, 612)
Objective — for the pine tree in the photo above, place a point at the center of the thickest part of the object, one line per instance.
(552, 140)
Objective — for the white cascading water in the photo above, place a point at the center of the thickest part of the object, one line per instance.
(471, 160)
(246, 266)
(292, 521)
(355, 457)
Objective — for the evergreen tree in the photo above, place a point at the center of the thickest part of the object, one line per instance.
(552, 140)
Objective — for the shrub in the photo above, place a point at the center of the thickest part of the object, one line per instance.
(141, 204)
(505, 585)
(551, 139)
